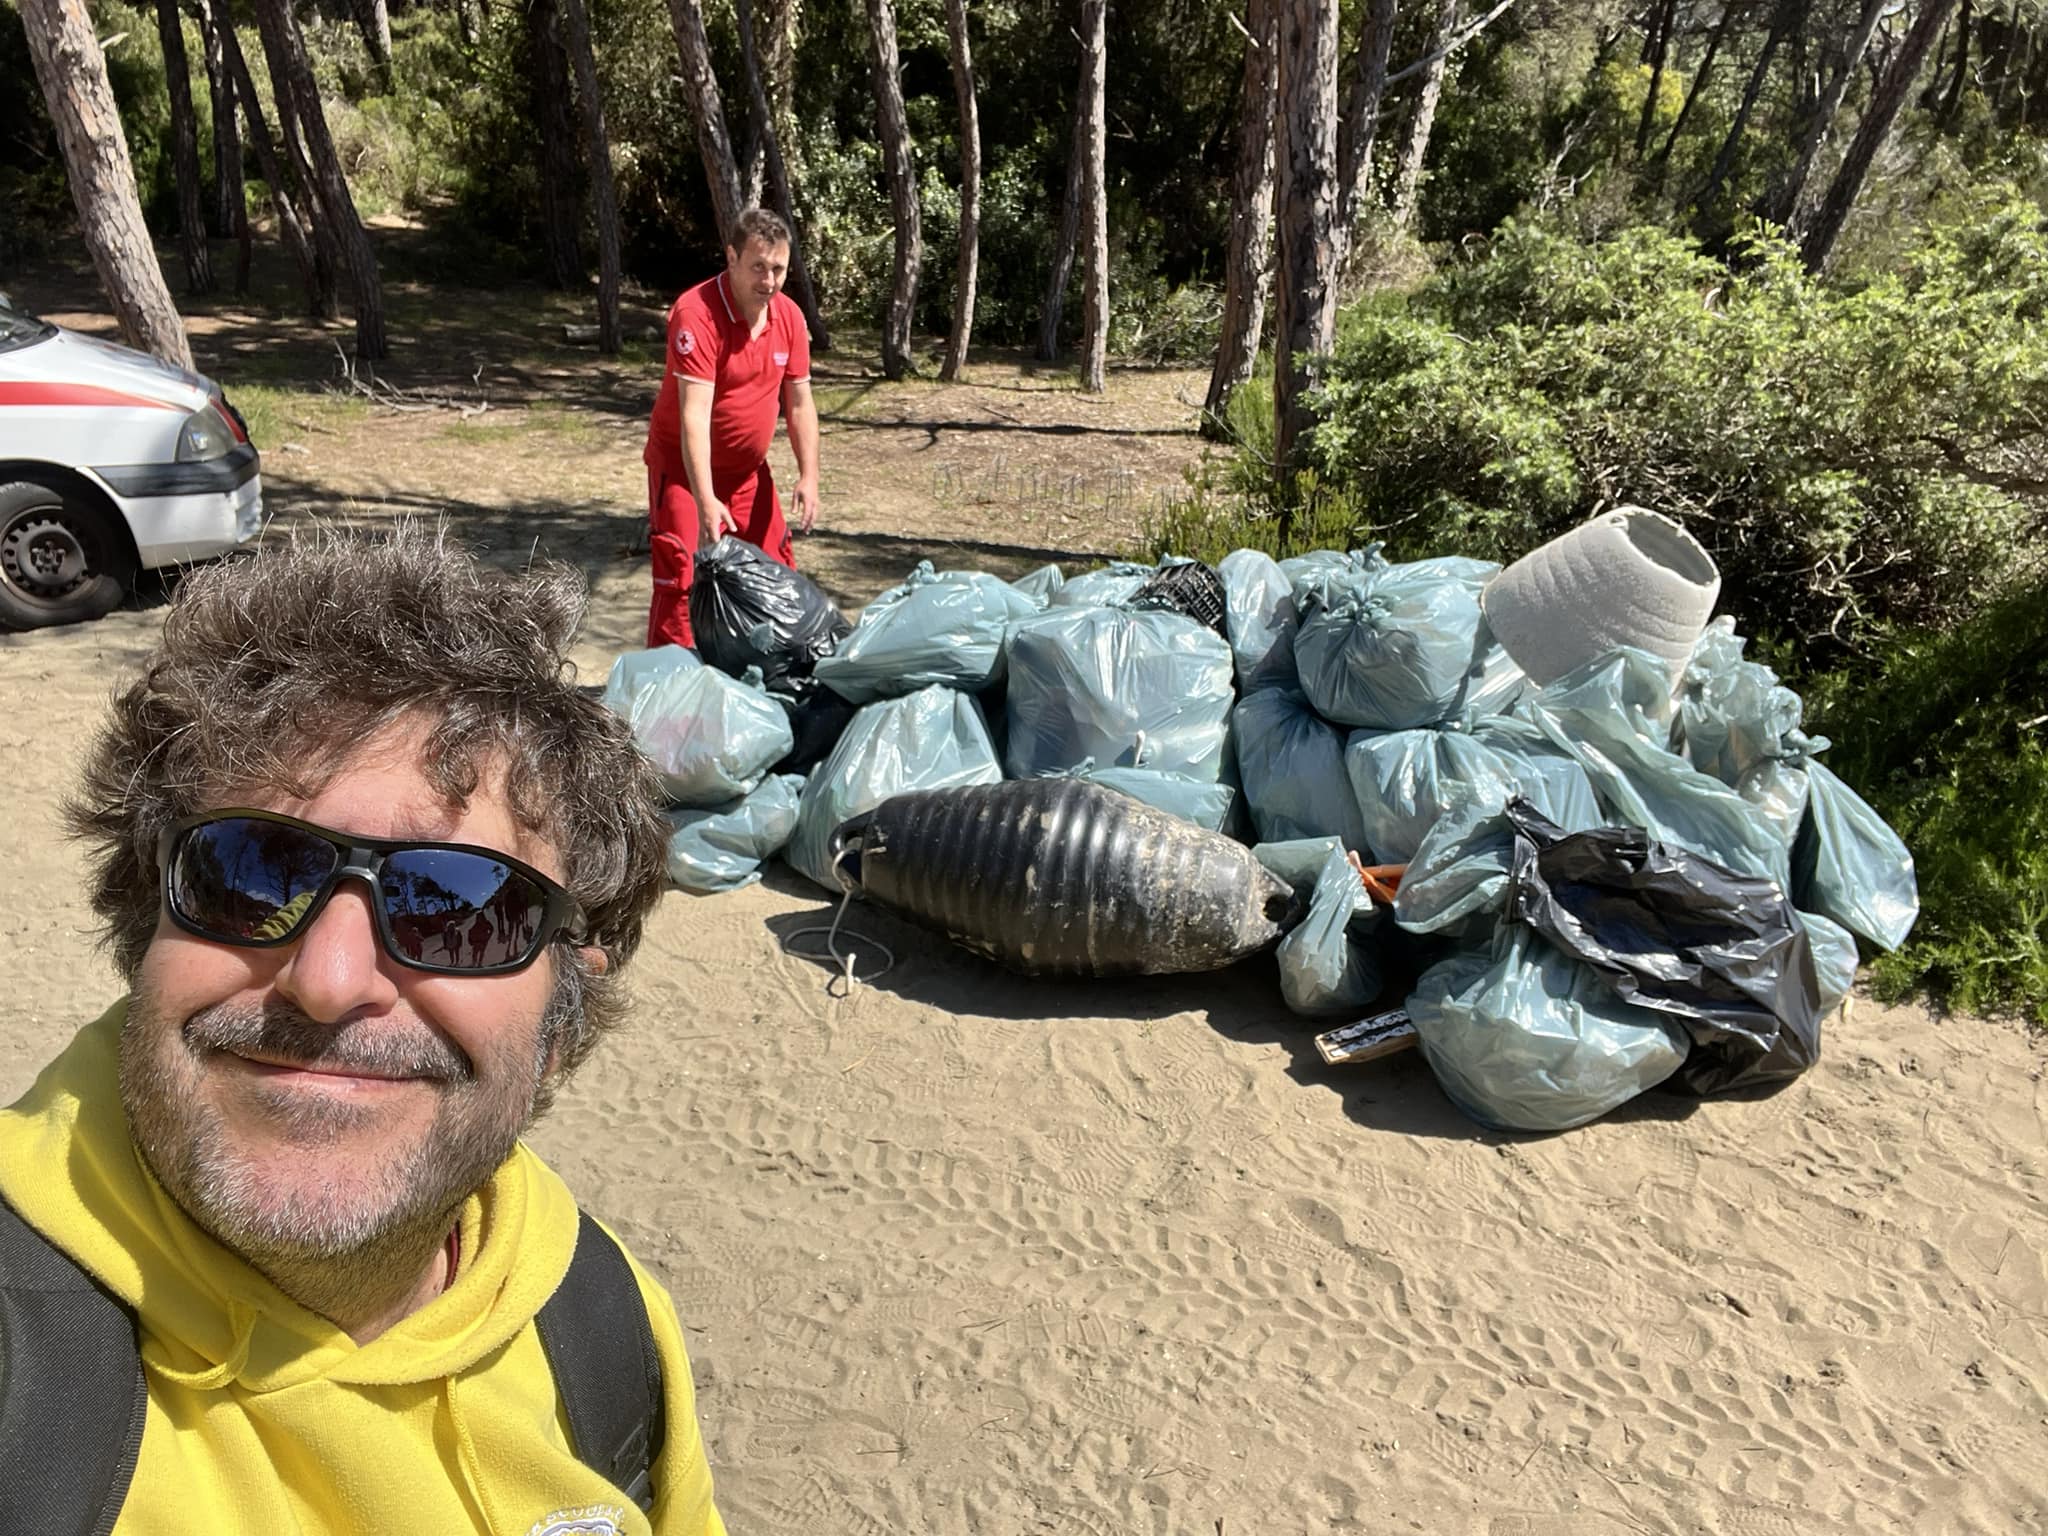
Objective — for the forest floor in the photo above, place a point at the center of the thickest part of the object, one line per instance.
(964, 1253)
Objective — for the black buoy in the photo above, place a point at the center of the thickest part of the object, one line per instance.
(1061, 877)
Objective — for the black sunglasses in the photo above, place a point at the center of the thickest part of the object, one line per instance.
(257, 879)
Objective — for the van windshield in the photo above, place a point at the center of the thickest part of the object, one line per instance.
(18, 327)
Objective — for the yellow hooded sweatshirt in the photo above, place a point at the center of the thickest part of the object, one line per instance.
(264, 1417)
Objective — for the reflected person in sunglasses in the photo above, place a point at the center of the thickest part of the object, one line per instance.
(371, 864)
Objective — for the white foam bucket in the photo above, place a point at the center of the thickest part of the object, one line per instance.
(1627, 577)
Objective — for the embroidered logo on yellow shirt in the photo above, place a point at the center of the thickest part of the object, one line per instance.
(587, 1520)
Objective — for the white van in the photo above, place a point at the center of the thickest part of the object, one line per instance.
(111, 463)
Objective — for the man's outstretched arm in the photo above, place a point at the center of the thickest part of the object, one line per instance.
(696, 415)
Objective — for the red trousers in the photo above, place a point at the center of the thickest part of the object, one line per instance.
(676, 529)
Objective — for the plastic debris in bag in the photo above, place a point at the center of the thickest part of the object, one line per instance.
(1206, 805)
(710, 737)
(1291, 762)
(1614, 715)
(1851, 866)
(1523, 1038)
(723, 849)
(931, 739)
(1405, 780)
(1389, 649)
(1260, 620)
(934, 628)
(747, 610)
(1305, 570)
(1188, 588)
(1329, 961)
(1105, 585)
(1060, 877)
(1834, 959)
(1042, 585)
(1125, 689)
(1723, 953)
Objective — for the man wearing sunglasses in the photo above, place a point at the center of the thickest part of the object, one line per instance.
(370, 864)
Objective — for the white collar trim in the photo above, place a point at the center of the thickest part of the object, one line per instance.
(726, 300)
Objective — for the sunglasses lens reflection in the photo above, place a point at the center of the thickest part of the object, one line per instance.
(246, 880)
(452, 908)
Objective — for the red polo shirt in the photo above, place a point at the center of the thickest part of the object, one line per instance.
(708, 340)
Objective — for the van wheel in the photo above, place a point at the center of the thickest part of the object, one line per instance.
(63, 559)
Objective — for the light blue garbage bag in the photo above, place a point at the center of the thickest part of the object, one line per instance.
(1737, 722)
(932, 739)
(1850, 866)
(1457, 883)
(1108, 584)
(1615, 716)
(1834, 959)
(937, 627)
(1258, 610)
(1405, 781)
(1291, 762)
(1524, 1038)
(1550, 778)
(1303, 571)
(1495, 683)
(1389, 649)
(1126, 689)
(1206, 805)
(1042, 585)
(723, 849)
(1329, 961)
(711, 737)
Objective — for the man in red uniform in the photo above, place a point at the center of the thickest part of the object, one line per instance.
(738, 355)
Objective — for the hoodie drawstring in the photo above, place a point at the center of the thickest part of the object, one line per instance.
(242, 1327)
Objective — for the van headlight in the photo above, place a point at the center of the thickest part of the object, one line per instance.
(205, 435)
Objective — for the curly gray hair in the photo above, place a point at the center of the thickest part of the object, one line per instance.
(271, 669)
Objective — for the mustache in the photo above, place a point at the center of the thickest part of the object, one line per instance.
(284, 1034)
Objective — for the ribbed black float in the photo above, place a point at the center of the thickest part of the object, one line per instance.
(1061, 877)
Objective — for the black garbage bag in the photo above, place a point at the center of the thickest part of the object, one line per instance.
(1668, 929)
(749, 611)
(818, 717)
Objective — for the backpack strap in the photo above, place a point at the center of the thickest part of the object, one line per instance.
(72, 1394)
(600, 1347)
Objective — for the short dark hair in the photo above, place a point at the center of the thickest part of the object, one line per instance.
(272, 668)
(759, 224)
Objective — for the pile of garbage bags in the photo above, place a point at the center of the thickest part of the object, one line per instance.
(1612, 881)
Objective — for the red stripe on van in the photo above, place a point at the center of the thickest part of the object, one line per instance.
(28, 392)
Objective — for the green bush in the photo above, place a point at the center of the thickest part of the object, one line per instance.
(1943, 735)
(1852, 459)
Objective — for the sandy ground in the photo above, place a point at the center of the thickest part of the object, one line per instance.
(965, 1253)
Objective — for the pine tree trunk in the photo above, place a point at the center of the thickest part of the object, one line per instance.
(776, 175)
(1360, 127)
(1422, 118)
(228, 175)
(1064, 241)
(1311, 240)
(1699, 79)
(970, 193)
(73, 74)
(561, 168)
(1248, 265)
(604, 198)
(1095, 200)
(700, 85)
(291, 227)
(894, 128)
(1784, 208)
(337, 205)
(1657, 45)
(170, 31)
(1871, 133)
(328, 258)
(1724, 162)
(374, 21)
